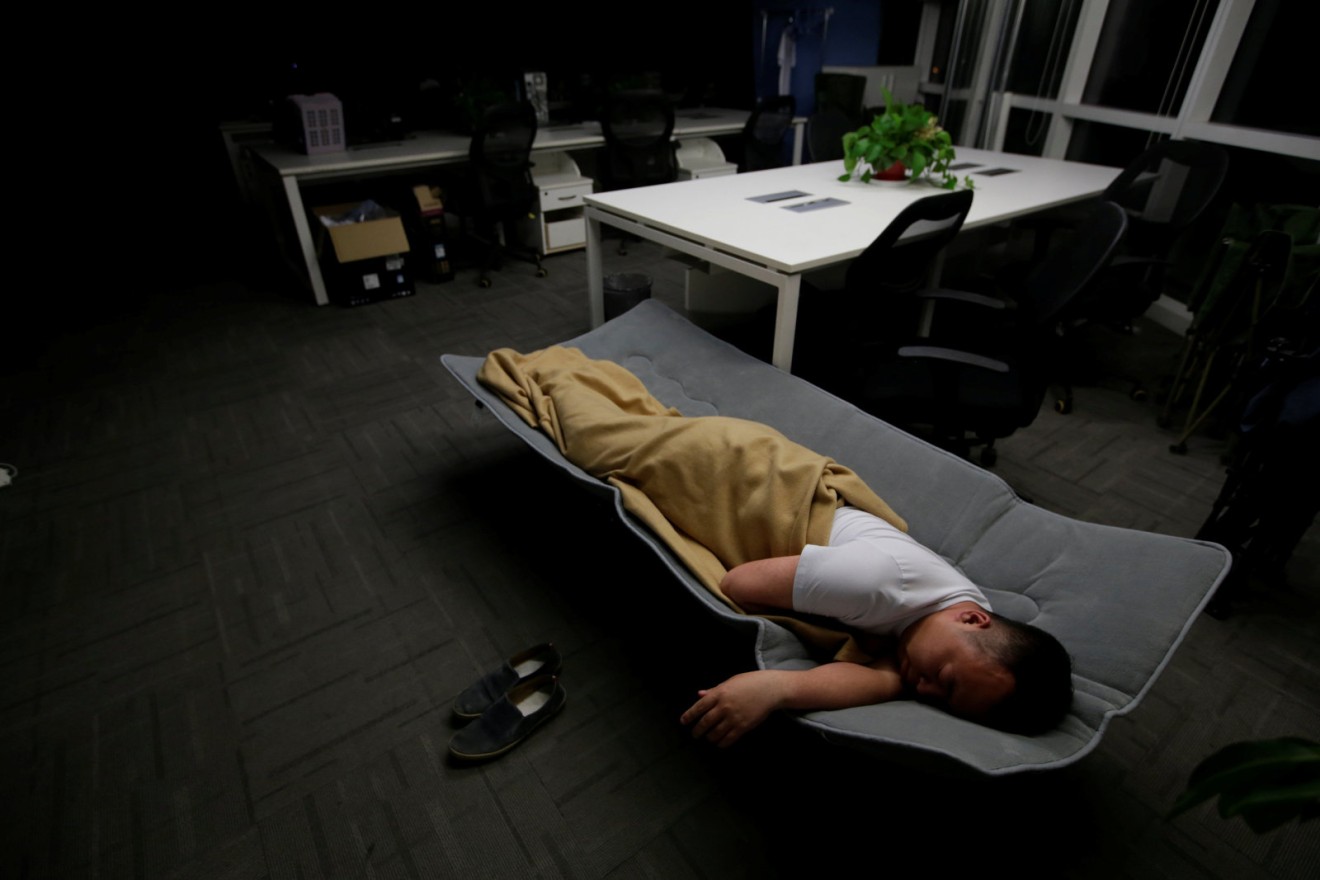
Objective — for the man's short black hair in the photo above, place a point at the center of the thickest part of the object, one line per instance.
(1042, 675)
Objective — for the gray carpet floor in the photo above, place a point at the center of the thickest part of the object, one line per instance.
(254, 549)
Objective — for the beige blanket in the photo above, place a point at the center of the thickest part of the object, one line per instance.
(718, 491)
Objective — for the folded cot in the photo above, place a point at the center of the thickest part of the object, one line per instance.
(1120, 600)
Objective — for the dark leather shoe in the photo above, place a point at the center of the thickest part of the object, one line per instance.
(509, 720)
(538, 660)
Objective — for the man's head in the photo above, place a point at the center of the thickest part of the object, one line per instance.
(988, 668)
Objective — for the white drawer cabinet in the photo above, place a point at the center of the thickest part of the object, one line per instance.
(560, 222)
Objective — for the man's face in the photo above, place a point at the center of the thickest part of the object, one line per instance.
(942, 664)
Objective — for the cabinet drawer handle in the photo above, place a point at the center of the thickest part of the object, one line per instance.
(567, 198)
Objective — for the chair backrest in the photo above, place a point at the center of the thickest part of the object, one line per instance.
(825, 131)
(1165, 189)
(639, 150)
(898, 261)
(1070, 265)
(763, 135)
(500, 156)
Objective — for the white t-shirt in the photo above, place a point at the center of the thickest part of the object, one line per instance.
(876, 578)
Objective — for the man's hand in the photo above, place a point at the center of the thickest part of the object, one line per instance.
(725, 712)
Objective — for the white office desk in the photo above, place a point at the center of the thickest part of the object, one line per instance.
(426, 149)
(716, 219)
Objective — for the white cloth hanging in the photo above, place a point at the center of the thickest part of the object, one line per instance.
(787, 57)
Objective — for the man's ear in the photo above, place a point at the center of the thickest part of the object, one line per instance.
(975, 617)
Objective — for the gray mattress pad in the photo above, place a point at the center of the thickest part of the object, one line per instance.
(1119, 600)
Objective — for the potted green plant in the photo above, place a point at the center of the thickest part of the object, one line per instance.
(905, 137)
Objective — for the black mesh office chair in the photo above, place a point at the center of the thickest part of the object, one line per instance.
(840, 331)
(502, 190)
(825, 131)
(763, 135)
(985, 376)
(639, 145)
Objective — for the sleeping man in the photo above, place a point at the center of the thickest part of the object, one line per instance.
(771, 526)
(950, 649)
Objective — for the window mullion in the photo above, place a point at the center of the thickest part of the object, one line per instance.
(1221, 45)
(1090, 22)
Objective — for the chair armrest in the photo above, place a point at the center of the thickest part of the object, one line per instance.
(953, 355)
(1125, 262)
(963, 296)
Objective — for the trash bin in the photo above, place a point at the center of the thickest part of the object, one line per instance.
(622, 292)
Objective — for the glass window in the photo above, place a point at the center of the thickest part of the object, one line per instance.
(1261, 89)
(1025, 133)
(1040, 53)
(1146, 54)
(956, 54)
(1102, 144)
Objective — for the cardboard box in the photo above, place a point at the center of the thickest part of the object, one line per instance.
(433, 262)
(363, 262)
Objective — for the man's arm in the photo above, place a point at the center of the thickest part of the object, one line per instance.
(726, 712)
(761, 585)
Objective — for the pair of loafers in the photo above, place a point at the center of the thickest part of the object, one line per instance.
(508, 703)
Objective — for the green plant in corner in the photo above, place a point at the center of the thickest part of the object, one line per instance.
(1266, 782)
(908, 135)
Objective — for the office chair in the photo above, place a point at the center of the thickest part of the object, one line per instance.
(839, 331)
(825, 131)
(1164, 191)
(639, 146)
(990, 382)
(502, 190)
(763, 135)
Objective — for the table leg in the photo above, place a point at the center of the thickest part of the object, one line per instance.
(595, 273)
(786, 322)
(300, 225)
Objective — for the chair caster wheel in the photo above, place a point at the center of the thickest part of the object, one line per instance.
(1178, 448)
(1139, 394)
(541, 273)
(483, 282)
(1063, 406)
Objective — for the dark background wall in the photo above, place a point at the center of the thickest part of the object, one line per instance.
(116, 114)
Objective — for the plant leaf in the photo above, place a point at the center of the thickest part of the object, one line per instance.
(1266, 810)
(1241, 770)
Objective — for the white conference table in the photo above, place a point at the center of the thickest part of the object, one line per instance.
(720, 220)
(425, 149)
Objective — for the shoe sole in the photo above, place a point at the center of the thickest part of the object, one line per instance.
(482, 756)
